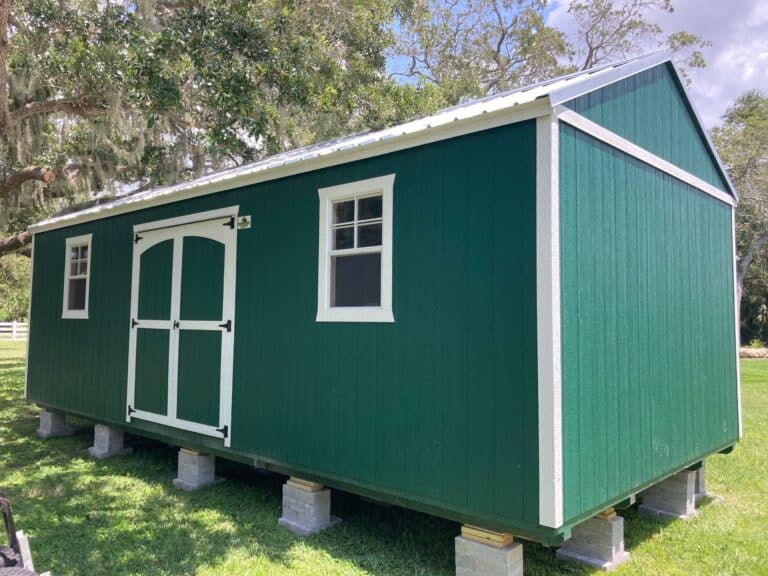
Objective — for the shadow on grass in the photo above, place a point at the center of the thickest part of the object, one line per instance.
(123, 516)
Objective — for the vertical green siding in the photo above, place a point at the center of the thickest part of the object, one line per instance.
(650, 110)
(438, 409)
(648, 351)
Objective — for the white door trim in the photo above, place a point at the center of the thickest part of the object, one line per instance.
(205, 224)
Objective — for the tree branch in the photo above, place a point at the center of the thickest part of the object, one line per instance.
(84, 105)
(16, 243)
(16, 179)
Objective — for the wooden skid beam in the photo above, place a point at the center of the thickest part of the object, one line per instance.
(496, 539)
(302, 484)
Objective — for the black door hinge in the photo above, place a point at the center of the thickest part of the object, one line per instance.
(134, 323)
(227, 325)
(224, 431)
(175, 324)
(136, 238)
(130, 410)
(230, 222)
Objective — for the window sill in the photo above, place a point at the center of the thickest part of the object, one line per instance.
(74, 315)
(355, 315)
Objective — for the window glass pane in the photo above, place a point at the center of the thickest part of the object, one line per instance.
(76, 294)
(83, 252)
(344, 211)
(83, 267)
(368, 208)
(343, 238)
(74, 252)
(73, 269)
(369, 235)
(356, 280)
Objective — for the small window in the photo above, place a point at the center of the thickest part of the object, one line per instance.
(355, 257)
(77, 267)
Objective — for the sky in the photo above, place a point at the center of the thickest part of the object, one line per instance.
(737, 60)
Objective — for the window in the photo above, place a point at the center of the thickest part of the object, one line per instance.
(76, 272)
(355, 256)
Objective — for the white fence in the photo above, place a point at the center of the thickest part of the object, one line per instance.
(14, 330)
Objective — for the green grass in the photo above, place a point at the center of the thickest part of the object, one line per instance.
(122, 516)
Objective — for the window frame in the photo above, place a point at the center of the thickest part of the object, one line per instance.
(76, 241)
(381, 185)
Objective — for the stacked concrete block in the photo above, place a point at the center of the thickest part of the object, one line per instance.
(598, 542)
(674, 497)
(306, 508)
(700, 484)
(195, 470)
(53, 424)
(474, 558)
(107, 441)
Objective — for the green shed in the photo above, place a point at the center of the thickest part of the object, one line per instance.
(517, 313)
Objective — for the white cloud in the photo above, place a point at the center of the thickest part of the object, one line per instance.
(737, 60)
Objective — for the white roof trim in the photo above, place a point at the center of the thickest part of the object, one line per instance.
(612, 139)
(515, 106)
(705, 132)
(614, 74)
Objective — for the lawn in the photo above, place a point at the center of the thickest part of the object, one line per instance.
(122, 516)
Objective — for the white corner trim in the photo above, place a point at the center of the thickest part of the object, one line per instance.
(325, 313)
(29, 316)
(66, 313)
(612, 139)
(548, 322)
(188, 219)
(737, 315)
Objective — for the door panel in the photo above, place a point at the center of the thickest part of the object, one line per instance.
(151, 382)
(155, 277)
(199, 376)
(182, 323)
(202, 279)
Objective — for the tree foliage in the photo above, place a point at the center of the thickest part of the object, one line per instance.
(742, 141)
(14, 287)
(472, 48)
(99, 98)
(105, 98)
(607, 30)
(469, 48)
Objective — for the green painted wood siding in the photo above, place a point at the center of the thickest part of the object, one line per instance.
(438, 410)
(648, 351)
(650, 110)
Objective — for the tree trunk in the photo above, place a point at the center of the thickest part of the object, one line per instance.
(16, 179)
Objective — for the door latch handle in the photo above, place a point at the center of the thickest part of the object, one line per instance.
(224, 431)
(227, 325)
(134, 323)
(175, 324)
(131, 410)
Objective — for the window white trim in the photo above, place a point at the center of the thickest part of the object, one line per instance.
(383, 185)
(84, 240)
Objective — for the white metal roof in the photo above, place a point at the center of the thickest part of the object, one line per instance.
(516, 105)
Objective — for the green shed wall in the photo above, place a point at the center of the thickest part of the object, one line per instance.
(650, 110)
(648, 343)
(438, 410)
